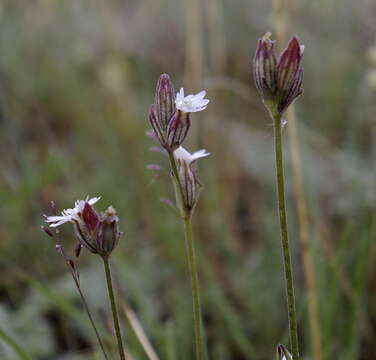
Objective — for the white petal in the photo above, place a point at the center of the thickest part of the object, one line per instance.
(191, 103)
(182, 154)
(93, 200)
(199, 154)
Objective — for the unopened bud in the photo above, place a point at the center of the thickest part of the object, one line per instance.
(264, 68)
(279, 82)
(90, 217)
(164, 100)
(177, 130)
(289, 74)
(108, 233)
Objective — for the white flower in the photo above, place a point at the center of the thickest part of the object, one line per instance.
(191, 103)
(71, 214)
(183, 155)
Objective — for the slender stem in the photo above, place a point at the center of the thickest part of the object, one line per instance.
(285, 237)
(113, 308)
(195, 286)
(191, 259)
(92, 321)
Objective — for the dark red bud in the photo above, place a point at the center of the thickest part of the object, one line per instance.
(164, 100)
(177, 130)
(90, 217)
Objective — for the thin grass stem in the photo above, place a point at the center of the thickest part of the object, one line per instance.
(92, 322)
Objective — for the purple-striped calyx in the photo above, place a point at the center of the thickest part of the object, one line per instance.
(188, 179)
(278, 81)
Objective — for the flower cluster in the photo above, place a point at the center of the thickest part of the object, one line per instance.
(98, 232)
(170, 120)
(279, 82)
(169, 116)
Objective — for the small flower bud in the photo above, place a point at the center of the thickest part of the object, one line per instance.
(90, 217)
(108, 233)
(289, 74)
(177, 130)
(164, 100)
(264, 68)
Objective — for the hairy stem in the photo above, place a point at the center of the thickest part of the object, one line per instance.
(113, 308)
(284, 236)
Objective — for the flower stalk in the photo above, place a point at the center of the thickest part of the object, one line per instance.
(277, 119)
(114, 308)
(279, 82)
(186, 215)
(170, 119)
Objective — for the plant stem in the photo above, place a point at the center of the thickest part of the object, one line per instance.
(113, 308)
(284, 236)
(92, 321)
(191, 259)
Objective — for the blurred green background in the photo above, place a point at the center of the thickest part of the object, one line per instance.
(76, 80)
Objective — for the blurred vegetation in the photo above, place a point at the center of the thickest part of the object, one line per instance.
(76, 81)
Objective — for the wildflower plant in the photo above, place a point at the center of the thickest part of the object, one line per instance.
(170, 119)
(279, 83)
(99, 233)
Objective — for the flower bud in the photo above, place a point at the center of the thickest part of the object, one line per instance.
(289, 74)
(278, 82)
(264, 68)
(108, 234)
(164, 100)
(177, 130)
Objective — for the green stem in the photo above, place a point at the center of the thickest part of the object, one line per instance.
(285, 238)
(92, 321)
(14, 345)
(113, 308)
(195, 286)
(191, 259)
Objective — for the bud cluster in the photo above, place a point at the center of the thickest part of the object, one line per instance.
(98, 232)
(279, 81)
